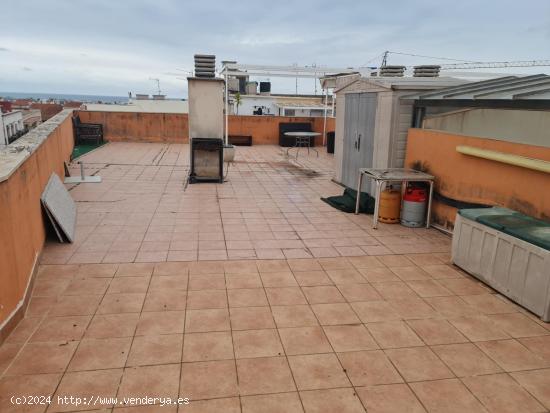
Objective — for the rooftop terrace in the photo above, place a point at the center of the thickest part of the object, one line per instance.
(255, 296)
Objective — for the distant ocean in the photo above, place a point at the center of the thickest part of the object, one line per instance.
(59, 96)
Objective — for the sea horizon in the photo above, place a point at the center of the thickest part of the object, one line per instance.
(65, 96)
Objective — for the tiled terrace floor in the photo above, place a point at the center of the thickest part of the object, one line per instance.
(270, 208)
(393, 329)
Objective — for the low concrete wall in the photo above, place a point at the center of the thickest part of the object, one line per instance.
(25, 167)
(174, 128)
(471, 179)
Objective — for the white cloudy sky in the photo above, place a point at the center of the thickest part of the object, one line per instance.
(111, 47)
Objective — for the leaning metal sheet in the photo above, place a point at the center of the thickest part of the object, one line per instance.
(60, 205)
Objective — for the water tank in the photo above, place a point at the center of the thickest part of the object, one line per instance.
(252, 88)
(265, 88)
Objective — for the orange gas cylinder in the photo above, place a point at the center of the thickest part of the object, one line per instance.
(389, 208)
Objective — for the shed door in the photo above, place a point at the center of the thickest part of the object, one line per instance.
(350, 154)
(358, 136)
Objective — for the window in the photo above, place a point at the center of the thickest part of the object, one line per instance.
(316, 112)
(290, 112)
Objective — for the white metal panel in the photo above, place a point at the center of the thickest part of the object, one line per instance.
(515, 268)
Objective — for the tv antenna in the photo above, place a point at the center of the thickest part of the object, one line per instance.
(158, 84)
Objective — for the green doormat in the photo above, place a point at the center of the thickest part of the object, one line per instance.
(346, 202)
(80, 150)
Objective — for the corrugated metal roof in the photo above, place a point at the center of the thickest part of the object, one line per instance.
(508, 87)
(406, 82)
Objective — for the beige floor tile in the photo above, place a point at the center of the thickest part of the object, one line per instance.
(121, 303)
(536, 382)
(61, 328)
(350, 338)
(86, 385)
(129, 285)
(390, 398)
(317, 371)
(250, 318)
(208, 346)
(378, 274)
(345, 276)
(518, 325)
(394, 290)
(272, 403)
(112, 325)
(359, 292)
(264, 375)
(257, 343)
(150, 381)
(538, 345)
(447, 396)
(95, 354)
(323, 294)
(394, 334)
(278, 279)
(21, 386)
(335, 314)
(429, 288)
(207, 282)
(71, 305)
(210, 379)
(157, 349)
(436, 331)
(367, 368)
(410, 273)
(161, 322)
(243, 281)
(203, 299)
(466, 359)
(500, 393)
(375, 311)
(332, 400)
(312, 278)
(168, 282)
(226, 405)
(294, 316)
(418, 364)
(134, 270)
(247, 297)
(304, 340)
(489, 303)
(165, 300)
(35, 358)
(198, 321)
(479, 328)
(285, 296)
(511, 355)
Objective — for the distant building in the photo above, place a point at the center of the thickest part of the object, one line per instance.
(142, 103)
(281, 105)
(11, 126)
(47, 110)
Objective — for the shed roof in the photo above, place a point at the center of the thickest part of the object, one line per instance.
(507, 87)
(405, 83)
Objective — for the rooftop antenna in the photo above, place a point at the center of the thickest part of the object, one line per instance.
(385, 58)
(158, 84)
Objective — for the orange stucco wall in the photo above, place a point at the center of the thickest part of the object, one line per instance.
(174, 128)
(21, 219)
(471, 179)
